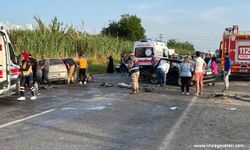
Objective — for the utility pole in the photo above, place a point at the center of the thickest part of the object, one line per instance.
(160, 36)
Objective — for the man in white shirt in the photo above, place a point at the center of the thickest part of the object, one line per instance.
(199, 70)
(162, 71)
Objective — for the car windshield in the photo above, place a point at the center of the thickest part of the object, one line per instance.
(55, 61)
(143, 52)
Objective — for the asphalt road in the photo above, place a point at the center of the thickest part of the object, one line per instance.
(93, 117)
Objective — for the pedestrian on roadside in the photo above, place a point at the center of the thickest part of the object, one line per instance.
(227, 71)
(82, 61)
(34, 68)
(110, 68)
(214, 66)
(199, 70)
(135, 73)
(186, 69)
(71, 65)
(44, 66)
(26, 77)
(123, 66)
(161, 71)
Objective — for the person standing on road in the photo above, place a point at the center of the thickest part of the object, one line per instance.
(227, 71)
(135, 73)
(186, 69)
(110, 68)
(44, 66)
(123, 66)
(71, 65)
(34, 68)
(199, 70)
(82, 69)
(214, 66)
(162, 71)
(26, 77)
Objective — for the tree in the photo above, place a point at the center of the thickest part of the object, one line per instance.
(182, 48)
(128, 27)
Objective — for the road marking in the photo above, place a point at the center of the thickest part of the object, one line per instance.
(97, 108)
(26, 118)
(165, 143)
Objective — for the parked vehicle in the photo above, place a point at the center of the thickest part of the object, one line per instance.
(9, 67)
(173, 76)
(57, 70)
(118, 68)
(237, 44)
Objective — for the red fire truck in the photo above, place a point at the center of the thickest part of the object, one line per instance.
(237, 44)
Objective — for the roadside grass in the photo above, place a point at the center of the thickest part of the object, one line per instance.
(97, 68)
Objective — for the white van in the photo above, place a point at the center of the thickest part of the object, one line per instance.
(148, 53)
(9, 68)
(143, 51)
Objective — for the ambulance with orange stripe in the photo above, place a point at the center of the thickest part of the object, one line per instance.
(9, 67)
(237, 44)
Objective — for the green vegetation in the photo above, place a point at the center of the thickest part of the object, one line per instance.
(182, 48)
(128, 27)
(58, 41)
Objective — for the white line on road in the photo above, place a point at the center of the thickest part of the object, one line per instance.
(26, 118)
(165, 143)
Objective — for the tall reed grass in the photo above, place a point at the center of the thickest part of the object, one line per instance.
(59, 41)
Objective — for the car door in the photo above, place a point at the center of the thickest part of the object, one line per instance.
(4, 78)
(13, 64)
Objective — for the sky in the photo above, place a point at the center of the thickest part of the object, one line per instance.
(200, 22)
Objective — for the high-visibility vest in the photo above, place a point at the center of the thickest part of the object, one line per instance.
(82, 63)
(26, 71)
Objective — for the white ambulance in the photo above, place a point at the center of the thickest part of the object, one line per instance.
(145, 50)
(148, 53)
(9, 68)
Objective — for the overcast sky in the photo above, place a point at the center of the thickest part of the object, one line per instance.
(199, 21)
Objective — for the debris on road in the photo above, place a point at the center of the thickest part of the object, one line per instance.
(231, 108)
(107, 84)
(123, 85)
(242, 97)
(173, 108)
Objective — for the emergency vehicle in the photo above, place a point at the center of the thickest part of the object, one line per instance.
(237, 44)
(148, 52)
(9, 68)
(144, 50)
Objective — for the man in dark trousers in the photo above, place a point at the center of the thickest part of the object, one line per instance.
(26, 77)
(45, 70)
(33, 62)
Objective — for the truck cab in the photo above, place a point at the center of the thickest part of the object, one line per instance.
(9, 67)
(237, 44)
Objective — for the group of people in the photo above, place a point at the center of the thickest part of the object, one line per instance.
(195, 69)
(30, 68)
(190, 69)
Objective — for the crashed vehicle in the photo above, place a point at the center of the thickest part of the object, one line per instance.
(173, 75)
